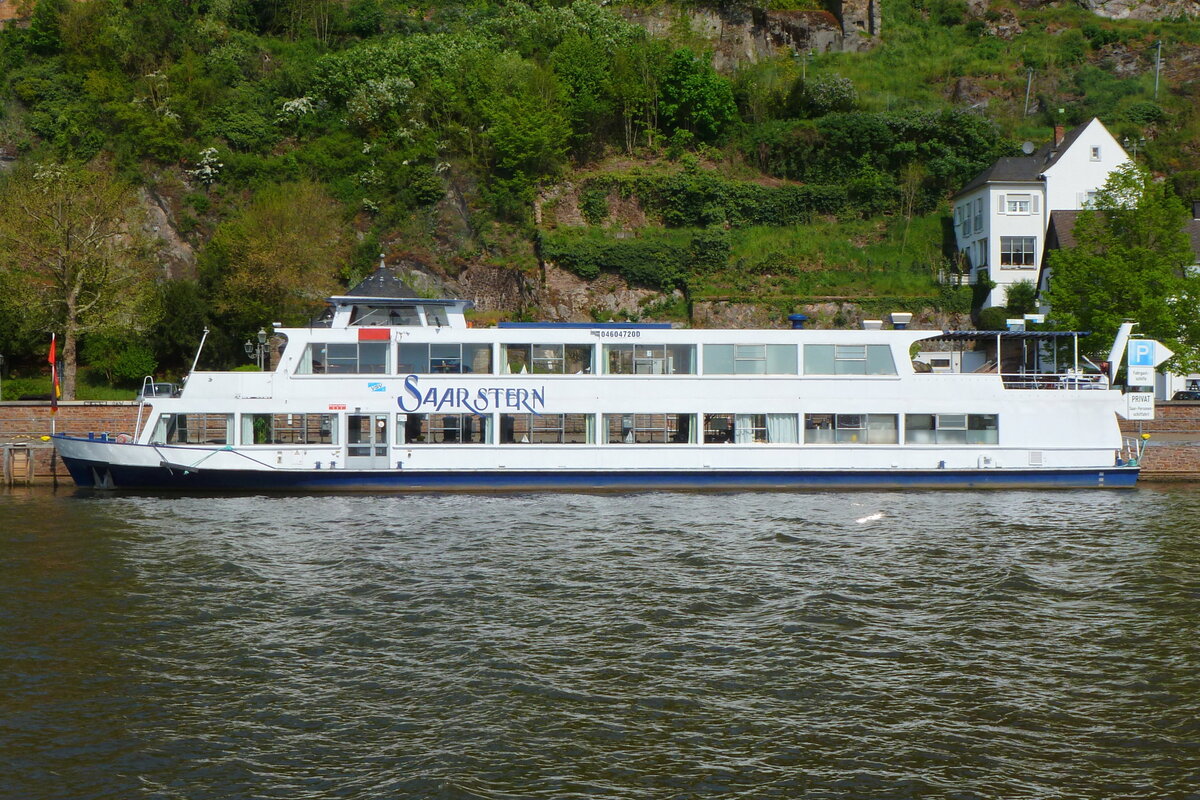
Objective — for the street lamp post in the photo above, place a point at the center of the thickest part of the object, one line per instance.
(258, 351)
(1135, 144)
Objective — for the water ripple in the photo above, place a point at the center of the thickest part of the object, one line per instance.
(934, 644)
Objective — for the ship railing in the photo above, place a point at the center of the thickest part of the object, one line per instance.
(1066, 381)
(1132, 448)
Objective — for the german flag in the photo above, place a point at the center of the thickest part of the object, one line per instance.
(56, 391)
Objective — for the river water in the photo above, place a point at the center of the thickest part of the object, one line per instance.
(755, 645)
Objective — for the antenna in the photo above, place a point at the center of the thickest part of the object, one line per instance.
(198, 349)
(1027, 148)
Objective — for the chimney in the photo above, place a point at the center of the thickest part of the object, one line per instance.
(797, 321)
(1196, 209)
(900, 319)
(1059, 133)
(872, 324)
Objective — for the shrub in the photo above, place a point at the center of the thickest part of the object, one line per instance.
(119, 359)
(821, 95)
(993, 319)
(1021, 298)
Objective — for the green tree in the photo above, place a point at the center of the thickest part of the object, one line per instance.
(1021, 298)
(72, 249)
(695, 97)
(1130, 262)
(278, 259)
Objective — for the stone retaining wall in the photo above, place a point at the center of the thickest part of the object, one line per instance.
(24, 423)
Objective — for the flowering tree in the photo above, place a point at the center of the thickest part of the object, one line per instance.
(73, 250)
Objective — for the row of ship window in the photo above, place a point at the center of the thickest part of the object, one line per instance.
(414, 429)
(368, 358)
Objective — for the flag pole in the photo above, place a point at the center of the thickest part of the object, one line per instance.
(53, 383)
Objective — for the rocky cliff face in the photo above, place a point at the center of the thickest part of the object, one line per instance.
(1143, 9)
(739, 35)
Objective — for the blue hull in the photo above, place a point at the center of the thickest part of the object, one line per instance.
(91, 474)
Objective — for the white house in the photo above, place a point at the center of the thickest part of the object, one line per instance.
(1000, 217)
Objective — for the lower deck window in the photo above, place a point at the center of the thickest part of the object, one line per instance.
(193, 429)
(850, 429)
(749, 428)
(443, 429)
(288, 429)
(951, 429)
(547, 429)
(649, 428)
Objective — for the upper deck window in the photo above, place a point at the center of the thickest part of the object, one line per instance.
(848, 359)
(546, 359)
(650, 359)
(750, 359)
(384, 315)
(451, 358)
(344, 358)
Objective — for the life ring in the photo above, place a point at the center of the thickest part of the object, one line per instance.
(123, 438)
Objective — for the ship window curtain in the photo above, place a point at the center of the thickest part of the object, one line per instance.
(743, 428)
(782, 428)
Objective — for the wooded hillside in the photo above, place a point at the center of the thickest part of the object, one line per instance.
(548, 160)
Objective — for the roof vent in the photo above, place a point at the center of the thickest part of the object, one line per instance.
(797, 321)
(900, 319)
(872, 324)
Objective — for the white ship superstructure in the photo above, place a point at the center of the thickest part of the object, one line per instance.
(395, 392)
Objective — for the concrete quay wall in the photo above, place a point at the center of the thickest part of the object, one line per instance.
(1172, 453)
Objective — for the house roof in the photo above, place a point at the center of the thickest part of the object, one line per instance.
(1060, 235)
(1025, 169)
(1061, 230)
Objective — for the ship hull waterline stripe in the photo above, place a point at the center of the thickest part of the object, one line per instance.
(98, 474)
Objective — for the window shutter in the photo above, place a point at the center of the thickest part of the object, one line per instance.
(1033, 204)
(1000, 204)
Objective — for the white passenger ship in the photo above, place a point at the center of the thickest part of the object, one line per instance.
(393, 392)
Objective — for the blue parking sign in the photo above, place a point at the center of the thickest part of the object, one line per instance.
(1141, 353)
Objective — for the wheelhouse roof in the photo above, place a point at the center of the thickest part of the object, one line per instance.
(968, 336)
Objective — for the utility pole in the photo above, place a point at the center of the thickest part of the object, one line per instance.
(1157, 68)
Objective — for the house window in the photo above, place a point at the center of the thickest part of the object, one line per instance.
(978, 214)
(1017, 251)
(1017, 204)
(981, 257)
(1095, 154)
